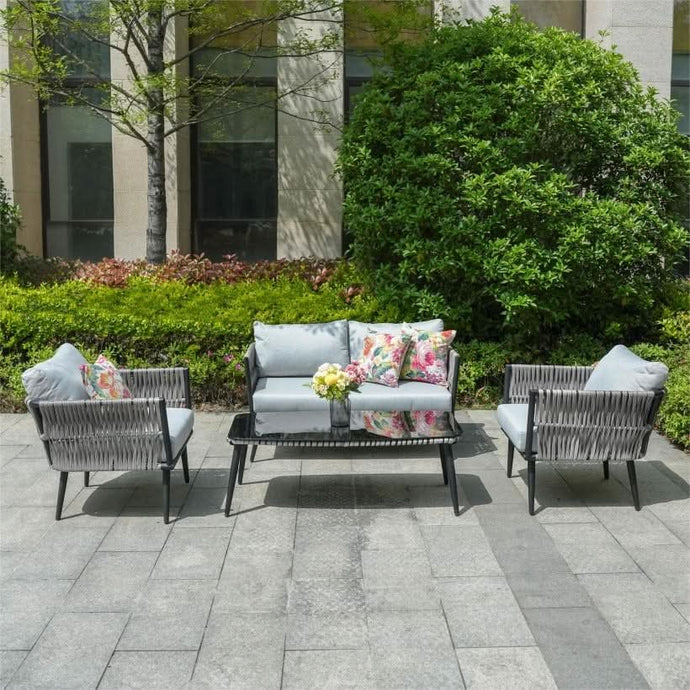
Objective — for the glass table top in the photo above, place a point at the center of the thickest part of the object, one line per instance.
(367, 428)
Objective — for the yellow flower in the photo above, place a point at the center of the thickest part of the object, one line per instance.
(331, 379)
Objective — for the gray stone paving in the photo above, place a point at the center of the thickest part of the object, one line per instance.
(342, 569)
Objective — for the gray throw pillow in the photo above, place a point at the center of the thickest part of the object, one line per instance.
(295, 349)
(57, 378)
(622, 370)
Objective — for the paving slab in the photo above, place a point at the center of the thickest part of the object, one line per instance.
(165, 670)
(663, 665)
(517, 668)
(9, 663)
(668, 567)
(326, 631)
(193, 554)
(257, 668)
(482, 612)
(339, 668)
(459, 551)
(73, 652)
(254, 582)
(414, 669)
(111, 581)
(581, 650)
(590, 548)
(344, 569)
(169, 617)
(635, 609)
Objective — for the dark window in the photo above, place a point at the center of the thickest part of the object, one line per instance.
(77, 156)
(235, 171)
(236, 177)
(565, 14)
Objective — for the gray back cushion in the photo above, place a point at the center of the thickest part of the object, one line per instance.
(359, 329)
(299, 349)
(622, 370)
(57, 378)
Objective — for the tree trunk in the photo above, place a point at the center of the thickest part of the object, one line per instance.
(157, 205)
(156, 196)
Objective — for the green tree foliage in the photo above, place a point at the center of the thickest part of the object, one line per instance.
(516, 182)
(165, 87)
(10, 220)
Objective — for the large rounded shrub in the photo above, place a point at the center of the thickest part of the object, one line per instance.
(515, 181)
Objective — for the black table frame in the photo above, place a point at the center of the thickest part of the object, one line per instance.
(338, 438)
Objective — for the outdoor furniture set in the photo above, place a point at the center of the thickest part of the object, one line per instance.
(93, 417)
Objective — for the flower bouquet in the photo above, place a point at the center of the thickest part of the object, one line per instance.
(335, 383)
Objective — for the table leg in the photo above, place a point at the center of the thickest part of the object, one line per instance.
(243, 457)
(442, 453)
(234, 467)
(452, 479)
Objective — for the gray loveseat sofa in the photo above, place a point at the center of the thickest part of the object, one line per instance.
(283, 358)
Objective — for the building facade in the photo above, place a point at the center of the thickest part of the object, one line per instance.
(261, 184)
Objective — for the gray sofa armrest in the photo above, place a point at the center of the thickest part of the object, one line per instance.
(520, 379)
(453, 370)
(172, 384)
(93, 435)
(591, 425)
(251, 373)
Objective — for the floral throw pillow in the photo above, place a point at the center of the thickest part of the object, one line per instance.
(382, 357)
(428, 423)
(388, 424)
(427, 357)
(103, 381)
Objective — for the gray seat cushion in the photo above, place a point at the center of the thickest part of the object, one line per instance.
(622, 370)
(513, 420)
(285, 394)
(57, 378)
(359, 330)
(409, 395)
(180, 425)
(299, 349)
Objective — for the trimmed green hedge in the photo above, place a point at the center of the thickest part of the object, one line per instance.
(204, 327)
(208, 327)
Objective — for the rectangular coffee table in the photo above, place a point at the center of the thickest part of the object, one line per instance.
(368, 429)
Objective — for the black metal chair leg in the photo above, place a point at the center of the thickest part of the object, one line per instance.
(443, 464)
(531, 482)
(511, 452)
(632, 474)
(452, 479)
(234, 467)
(86, 478)
(185, 466)
(166, 496)
(61, 494)
(243, 457)
(253, 454)
(606, 469)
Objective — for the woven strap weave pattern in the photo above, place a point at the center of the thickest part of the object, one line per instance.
(592, 426)
(526, 377)
(104, 434)
(169, 383)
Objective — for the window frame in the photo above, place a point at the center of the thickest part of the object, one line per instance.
(194, 169)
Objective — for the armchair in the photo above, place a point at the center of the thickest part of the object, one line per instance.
(547, 414)
(150, 431)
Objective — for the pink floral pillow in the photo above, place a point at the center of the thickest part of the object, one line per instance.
(382, 357)
(428, 423)
(388, 424)
(427, 357)
(103, 381)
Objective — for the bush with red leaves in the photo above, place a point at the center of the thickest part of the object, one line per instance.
(194, 269)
